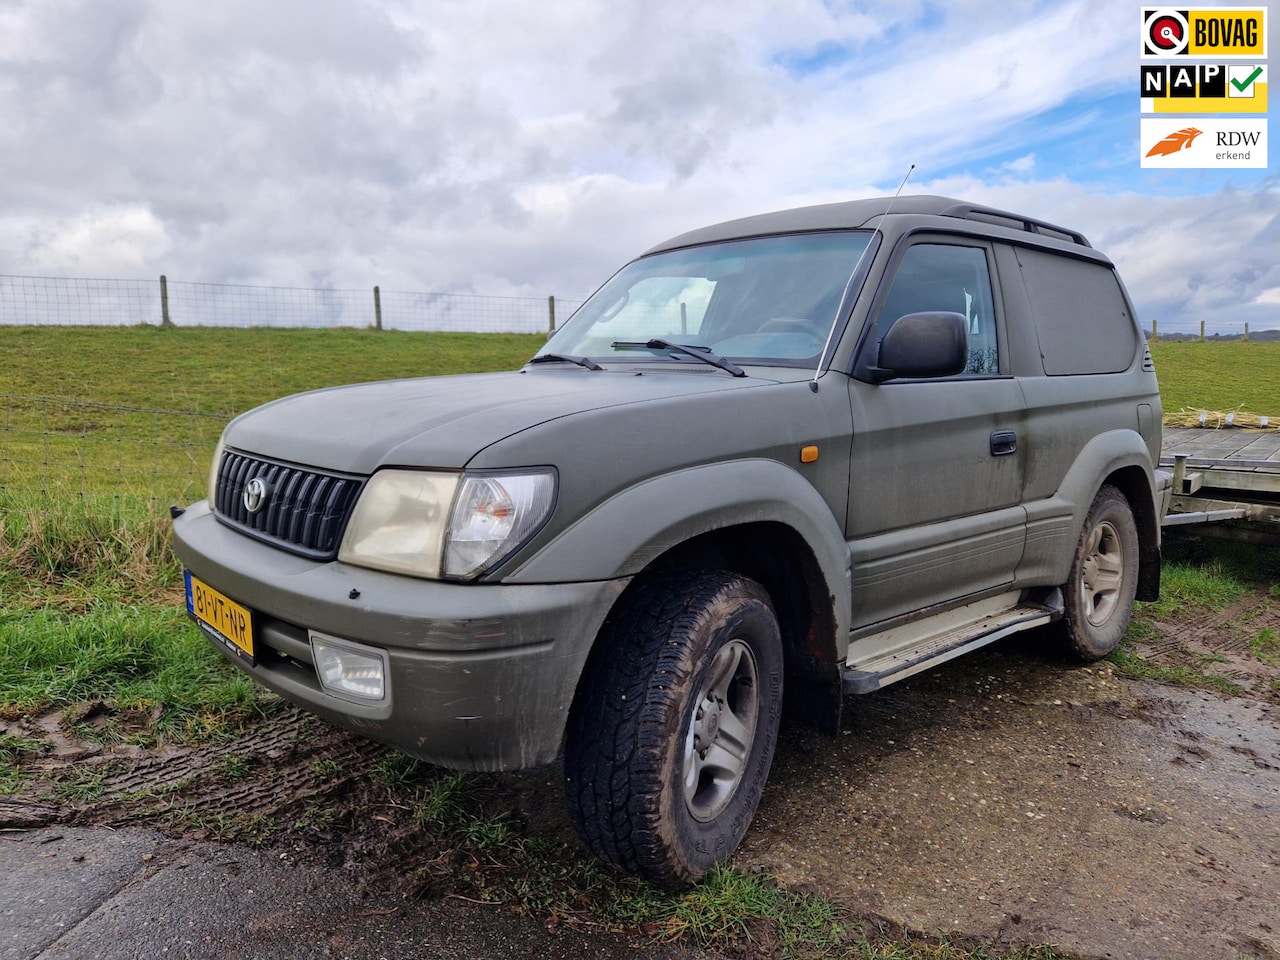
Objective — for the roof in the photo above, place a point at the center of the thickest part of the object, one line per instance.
(853, 214)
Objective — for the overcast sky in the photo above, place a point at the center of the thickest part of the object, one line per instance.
(531, 148)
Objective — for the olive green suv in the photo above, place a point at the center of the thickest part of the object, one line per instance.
(770, 464)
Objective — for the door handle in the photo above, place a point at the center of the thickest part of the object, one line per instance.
(1003, 443)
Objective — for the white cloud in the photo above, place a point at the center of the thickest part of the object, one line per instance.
(1023, 164)
(116, 240)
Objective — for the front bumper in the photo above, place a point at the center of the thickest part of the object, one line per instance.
(480, 676)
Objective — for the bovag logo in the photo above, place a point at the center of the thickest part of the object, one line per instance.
(1212, 32)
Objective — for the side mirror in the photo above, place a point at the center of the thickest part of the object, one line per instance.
(931, 344)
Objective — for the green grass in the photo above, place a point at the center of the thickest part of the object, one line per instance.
(1221, 376)
(105, 410)
(14, 750)
(1197, 578)
(1186, 586)
(1265, 645)
(83, 550)
(143, 661)
(1132, 664)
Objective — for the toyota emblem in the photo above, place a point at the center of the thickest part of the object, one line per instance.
(255, 494)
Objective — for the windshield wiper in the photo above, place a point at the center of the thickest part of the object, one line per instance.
(698, 353)
(565, 358)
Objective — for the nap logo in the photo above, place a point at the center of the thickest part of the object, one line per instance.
(1183, 87)
(1203, 143)
(1213, 32)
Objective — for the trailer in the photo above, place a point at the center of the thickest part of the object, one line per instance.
(1227, 477)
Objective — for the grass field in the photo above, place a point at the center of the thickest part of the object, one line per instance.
(136, 411)
(1222, 376)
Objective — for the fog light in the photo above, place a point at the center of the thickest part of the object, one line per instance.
(349, 670)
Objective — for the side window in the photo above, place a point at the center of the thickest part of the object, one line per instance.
(943, 276)
(1082, 320)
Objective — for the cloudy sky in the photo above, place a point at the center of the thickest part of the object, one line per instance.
(524, 148)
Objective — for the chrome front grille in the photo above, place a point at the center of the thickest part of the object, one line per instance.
(303, 511)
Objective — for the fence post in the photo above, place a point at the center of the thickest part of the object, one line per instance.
(551, 315)
(377, 308)
(1246, 331)
(1201, 329)
(164, 302)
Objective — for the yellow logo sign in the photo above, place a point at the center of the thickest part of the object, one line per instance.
(1215, 32)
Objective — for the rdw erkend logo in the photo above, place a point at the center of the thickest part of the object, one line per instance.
(1178, 140)
(1203, 143)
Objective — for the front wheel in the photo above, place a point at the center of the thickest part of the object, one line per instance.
(1098, 597)
(672, 735)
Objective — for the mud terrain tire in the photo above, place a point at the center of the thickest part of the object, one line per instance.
(673, 732)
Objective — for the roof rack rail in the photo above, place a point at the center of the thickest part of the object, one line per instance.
(973, 211)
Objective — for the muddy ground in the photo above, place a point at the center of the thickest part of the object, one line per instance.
(1005, 797)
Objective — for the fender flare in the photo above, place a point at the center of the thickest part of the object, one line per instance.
(1100, 458)
(607, 542)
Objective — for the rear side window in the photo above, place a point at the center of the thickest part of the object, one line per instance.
(1082, 321)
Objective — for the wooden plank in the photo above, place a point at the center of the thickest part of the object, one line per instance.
(1218, 446)
(1263, 446)
(1243, 451)
(1179, 436)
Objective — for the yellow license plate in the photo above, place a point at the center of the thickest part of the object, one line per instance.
(227, 620)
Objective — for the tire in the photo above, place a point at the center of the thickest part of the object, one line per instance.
(1098, 598)
(672, 734)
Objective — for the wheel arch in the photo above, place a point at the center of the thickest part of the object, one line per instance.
(1132, 481)
(1119, 458)
(777, 557)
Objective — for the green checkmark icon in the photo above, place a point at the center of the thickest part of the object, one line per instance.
(1257, 72)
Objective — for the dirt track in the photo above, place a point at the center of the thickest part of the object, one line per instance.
(1003, 797)
(1012, 800)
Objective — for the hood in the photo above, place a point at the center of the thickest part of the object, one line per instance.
(445, 421)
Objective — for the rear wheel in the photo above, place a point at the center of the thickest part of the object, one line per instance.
(673, 732)
(1099, 596)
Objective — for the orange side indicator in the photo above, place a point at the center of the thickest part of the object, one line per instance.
(808, 454)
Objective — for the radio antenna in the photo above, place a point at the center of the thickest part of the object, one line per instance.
(813, 384)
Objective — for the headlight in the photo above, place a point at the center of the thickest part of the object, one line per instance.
(399, 522)
(493, 514)
(212, 495)
(436, 525)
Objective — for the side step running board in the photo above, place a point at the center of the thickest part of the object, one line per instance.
(873, 674)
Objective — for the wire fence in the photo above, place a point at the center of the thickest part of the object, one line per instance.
(81, 301)
(55, 451)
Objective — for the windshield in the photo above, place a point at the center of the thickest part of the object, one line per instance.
(767, 299)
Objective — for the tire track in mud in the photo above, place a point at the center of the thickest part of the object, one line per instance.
(1240, 644)
(286, 763)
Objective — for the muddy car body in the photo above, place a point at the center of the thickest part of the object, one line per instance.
(774, 461)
